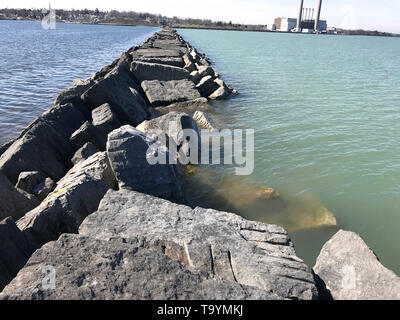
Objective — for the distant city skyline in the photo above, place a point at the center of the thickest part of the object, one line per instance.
(380, 15)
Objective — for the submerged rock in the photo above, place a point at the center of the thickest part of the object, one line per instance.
(77, 195)
(351, 270)
(129, 150)
(90, 269)
(15, 249)
(219, 243)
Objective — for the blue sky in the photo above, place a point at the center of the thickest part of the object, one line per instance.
(381, 15)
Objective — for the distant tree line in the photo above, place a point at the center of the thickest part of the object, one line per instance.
(140, 18)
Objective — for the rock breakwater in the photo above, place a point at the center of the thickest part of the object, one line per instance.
(83, 199)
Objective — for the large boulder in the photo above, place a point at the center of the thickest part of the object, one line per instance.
(104, 119)
(207, 86)
(120, 91)
(128, 150)
(44, 146)
(220, 243)
(77, 195)
(14, 202)
(167, 92)
(153, 71)
(15, 249)
(173, 125)
(351, 270)
(90, 269)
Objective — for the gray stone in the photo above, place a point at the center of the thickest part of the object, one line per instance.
(89, 269)
(220, 94)
(168, 92)
(104, 119)
(195, 77)
(89, 133)
(220, 243)
(173, 125)
(189, 107)
(14, 202)
(43, 189)
(120, 91)
(153, 71)
(27, 181)
(351, 271)
(69, 95)
(206, 70)
(15, 249)
(207, 86)
(204, 121)
(77, 195)
(84, 153)
(44, 146)
(128, 149)
(170, 61)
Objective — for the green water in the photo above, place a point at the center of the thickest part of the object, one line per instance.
(326, 110)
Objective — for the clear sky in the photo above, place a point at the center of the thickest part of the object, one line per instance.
(383, 15)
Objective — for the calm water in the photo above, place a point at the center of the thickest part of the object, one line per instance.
(326, 110)
(36, 64)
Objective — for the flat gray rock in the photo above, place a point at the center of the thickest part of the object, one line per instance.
(76, 195)
(351, 271)
(15, 250)
(14, 202)
(168, 92)
(220, 243)
(120, 91)
(104, 119)
(89, 269)
(153, 71)
(127, 149)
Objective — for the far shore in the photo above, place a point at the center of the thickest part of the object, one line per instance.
(221, 28)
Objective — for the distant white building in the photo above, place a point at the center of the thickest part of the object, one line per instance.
(285, 24)
(271, 27)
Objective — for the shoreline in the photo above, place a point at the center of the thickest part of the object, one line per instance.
(78, 175)
(365, 33)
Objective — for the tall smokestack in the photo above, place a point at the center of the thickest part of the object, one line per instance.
(300, 15)
(318, 15)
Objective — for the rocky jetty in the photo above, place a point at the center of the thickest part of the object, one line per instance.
(90, 210)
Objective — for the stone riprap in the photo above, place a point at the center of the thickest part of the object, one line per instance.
(87, 160)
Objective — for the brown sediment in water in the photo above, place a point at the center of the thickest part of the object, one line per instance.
(255, 201)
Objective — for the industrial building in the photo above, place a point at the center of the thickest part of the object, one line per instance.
(306, 22)
(285, 24)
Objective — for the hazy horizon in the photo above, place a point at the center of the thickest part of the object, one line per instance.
(351, 14)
